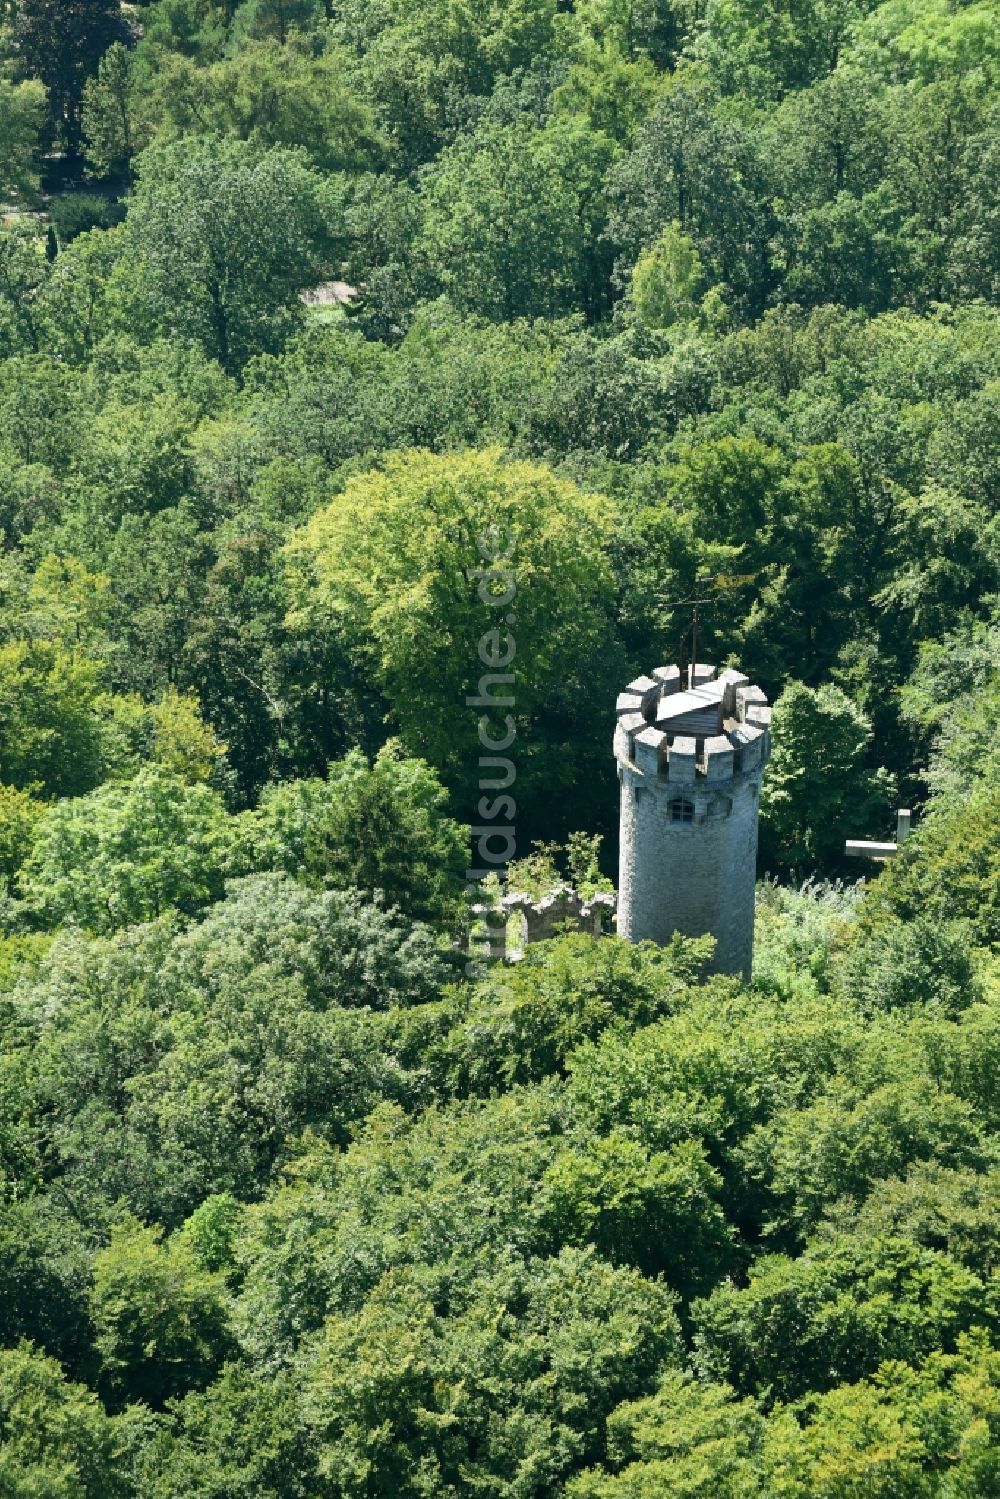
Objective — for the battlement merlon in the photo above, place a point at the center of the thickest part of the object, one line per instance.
(716, 727)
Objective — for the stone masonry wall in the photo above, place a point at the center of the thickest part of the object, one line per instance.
(689, 809)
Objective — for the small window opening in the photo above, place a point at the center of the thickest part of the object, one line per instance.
(681, 810)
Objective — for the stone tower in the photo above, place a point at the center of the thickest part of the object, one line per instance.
(690, 765)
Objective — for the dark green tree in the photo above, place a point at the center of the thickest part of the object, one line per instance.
(382, 827)
(819, 787)
(61, 42)
(514, 220)
(160, 1318)
(224, 236)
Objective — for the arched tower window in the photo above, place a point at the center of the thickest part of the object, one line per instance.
(681, 810)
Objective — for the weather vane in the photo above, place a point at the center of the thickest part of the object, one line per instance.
(720, 584)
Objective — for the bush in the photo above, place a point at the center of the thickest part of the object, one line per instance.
(75, 213)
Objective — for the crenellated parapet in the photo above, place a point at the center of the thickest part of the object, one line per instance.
(716, 727)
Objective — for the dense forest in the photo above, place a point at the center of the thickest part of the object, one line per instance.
(311, 310)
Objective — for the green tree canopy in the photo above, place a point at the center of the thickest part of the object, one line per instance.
(61, 42)
(819, 776)
(419, 566)
(160, 1318)
(129, 853)
(50, 733)
(224, 235)
(235, 1036)
(382, 827)
(513, 220)
(274, 94)
(667, 280)
(21, 110)
(55, 1436)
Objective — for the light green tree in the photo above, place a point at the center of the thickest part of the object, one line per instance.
(267, 92)
(19, 815)
(417, 568)
(668, 280)
(689, 1437)
(279, 96)
(611, 91)
(57, 1439)
(24, 273)
(50, 734)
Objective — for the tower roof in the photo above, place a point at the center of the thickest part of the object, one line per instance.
(697, 711)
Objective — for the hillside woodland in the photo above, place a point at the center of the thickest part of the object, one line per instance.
(680, 298)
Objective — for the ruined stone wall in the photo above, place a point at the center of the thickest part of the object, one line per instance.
(561, 910)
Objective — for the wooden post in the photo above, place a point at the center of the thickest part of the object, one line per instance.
(861, 848)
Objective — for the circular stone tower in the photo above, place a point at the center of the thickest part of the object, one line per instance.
(690, 764)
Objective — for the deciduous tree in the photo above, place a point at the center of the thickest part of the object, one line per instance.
(61, 42)
(225, 235)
